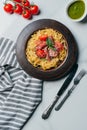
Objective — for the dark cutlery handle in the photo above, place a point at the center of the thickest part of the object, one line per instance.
(48, 110)
(62, 102)
(68, 80)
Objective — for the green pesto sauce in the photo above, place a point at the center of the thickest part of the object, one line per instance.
(76, 10)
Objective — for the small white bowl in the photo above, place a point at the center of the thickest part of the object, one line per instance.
(83, 15)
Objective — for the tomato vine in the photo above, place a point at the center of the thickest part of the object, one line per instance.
(22, 7)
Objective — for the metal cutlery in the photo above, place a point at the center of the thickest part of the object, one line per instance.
(48, 110)
(76, 82)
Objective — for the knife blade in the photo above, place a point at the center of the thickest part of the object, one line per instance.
(76, 82)
(66, 83)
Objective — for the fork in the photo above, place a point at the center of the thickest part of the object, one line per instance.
(76, 82)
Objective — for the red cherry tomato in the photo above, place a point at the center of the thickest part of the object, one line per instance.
(43, 38)
(19, 1)
(25, 3)
(59, 46)
(34, 9)
(18, 9)
(41, 53)
(26, 14)
(8, 8)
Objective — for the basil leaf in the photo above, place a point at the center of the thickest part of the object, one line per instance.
(49, 42)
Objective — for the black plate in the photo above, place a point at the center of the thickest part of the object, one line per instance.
(49, 74)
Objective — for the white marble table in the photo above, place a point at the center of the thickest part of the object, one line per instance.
(73, 114)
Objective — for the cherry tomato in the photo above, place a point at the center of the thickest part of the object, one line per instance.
(59, 46)
(26, 14)
(41, 53)
(34, 9)
(8, 8)
(25, 3)
(43, 38)
(19, 1)
(18, 9)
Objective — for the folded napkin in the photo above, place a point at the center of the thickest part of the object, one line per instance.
(20, 94)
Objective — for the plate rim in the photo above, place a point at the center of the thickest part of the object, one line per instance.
(46, 75)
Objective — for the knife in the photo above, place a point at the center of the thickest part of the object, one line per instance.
(67, 81)
(76, 81)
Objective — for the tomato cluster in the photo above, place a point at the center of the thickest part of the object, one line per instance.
(23, 7)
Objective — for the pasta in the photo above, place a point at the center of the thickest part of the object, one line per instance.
(54, 57)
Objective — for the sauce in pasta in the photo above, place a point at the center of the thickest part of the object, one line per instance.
(46, 49)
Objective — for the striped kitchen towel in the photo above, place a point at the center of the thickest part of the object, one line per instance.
(20, 94)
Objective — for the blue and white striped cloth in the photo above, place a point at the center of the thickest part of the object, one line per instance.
(20, 94)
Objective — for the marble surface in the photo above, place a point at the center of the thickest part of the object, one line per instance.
(73, 114)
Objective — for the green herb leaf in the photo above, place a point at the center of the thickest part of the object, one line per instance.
(50, 43)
